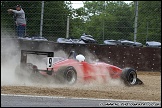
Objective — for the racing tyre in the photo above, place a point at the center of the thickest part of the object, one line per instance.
(24, 71)
(67, 75)
(129, 76)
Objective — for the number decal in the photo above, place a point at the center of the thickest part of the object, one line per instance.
(49, 62)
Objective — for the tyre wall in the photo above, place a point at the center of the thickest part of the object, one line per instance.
(140, 58)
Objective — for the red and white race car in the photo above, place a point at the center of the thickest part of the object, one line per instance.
(74, 69)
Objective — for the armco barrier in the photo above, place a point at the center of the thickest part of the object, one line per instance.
(140, 58)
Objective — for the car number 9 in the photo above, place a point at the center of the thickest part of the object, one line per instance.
(49, 62)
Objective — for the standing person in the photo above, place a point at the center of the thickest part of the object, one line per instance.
(19, 16)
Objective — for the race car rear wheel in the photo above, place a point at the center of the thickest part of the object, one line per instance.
(66, 75)
(24, 71)
(129, 76)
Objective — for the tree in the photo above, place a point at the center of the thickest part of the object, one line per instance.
(54, 19)
(106, 20)
(149, 21)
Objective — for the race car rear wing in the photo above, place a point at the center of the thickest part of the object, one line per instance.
(50, 56)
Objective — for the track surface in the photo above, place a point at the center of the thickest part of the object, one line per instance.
(150, 91)
(51, 101)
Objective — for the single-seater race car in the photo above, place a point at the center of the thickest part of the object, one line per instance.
(74, 69)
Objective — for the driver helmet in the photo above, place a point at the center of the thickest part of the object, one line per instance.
(80, 58)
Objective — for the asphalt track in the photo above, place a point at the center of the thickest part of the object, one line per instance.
(9, 100)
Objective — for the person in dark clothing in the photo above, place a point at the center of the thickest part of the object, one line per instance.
(19, 16)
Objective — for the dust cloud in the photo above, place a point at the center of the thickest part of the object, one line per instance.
(10, 58)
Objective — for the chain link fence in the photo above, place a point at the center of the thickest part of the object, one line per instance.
(102, 19)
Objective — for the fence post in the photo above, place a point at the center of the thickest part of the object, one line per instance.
(136, 17)
(147, 33)
(67, 28)
(103, 38)
(41, 23)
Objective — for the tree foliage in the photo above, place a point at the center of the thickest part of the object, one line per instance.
(115, 20)
(54, 17)
(107, 20)
(149, 21)
(101, 19)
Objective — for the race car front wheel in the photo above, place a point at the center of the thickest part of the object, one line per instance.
(129, 76)
(66, 75)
